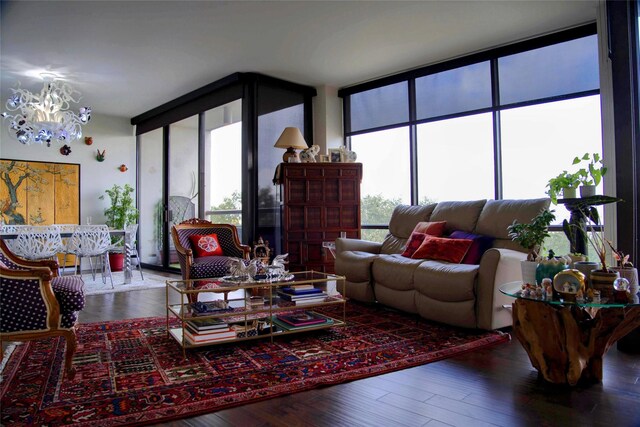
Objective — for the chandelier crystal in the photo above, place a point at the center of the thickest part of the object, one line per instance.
(46, 117)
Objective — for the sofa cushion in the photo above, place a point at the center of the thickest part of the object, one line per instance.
(210, 266)
(405, 217)
(446, 282)
(478, 247)
(459, 215)
(440, 248)
(497, 215)
(355, 265)
(395, 271)
(433, 228)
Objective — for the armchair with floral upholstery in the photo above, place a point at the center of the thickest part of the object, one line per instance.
(36, 303)
(205, 249)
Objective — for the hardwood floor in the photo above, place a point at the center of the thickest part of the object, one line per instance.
(493, 386)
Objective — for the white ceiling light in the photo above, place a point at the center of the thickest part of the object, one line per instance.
(45, 117)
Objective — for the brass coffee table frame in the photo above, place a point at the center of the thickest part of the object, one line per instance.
(236, 292)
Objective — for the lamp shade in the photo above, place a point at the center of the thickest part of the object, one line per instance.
(291, 138)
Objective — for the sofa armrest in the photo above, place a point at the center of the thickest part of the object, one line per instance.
(497, 267)
(343, 244)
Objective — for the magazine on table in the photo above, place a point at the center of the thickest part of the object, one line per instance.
(302, 318)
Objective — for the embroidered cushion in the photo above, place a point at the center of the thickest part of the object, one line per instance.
(443, 249)
(205, 245)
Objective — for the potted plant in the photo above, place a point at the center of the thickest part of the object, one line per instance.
(565, 182)
(624, 268)
(590, 176)
(119, 214)
(530, 236)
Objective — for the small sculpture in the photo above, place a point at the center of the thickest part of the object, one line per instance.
(100, 156)
(309, 155)
(123, 168)
(88, 140)
(348, 155)
(279, 261)
(65, 150)
(237, 267)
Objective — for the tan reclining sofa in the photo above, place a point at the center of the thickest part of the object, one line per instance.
(457, 294)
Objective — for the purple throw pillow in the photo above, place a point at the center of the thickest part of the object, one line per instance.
(478, 247)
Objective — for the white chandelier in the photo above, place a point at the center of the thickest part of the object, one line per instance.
(45, 117)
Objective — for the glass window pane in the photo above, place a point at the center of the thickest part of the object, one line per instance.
(540, 141)
(455, 159)
(382, 106)
(223, 168)
(151, 174)
(558, 69)
(454, 91)
(385, 176)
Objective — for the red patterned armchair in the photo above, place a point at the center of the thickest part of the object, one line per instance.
(35, 302)
(194, 253)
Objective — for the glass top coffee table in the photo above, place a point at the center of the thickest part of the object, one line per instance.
(227, 309)
(566, 341)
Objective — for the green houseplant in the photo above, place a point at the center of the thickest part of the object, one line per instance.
(120, 213)
(591, 175)
(564, 182)
(530, 236)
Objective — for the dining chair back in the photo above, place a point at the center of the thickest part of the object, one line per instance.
(37, 242)
(91, 241)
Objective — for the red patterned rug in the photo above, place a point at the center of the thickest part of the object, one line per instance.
(129, 372)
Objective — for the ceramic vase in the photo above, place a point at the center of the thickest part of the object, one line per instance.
(548, 269)
(587, 190)
(586, 267)
(631, 274)
(528, 271)
(568, 193)
(603, 281)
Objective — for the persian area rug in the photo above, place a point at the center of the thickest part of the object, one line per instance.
(129, 372)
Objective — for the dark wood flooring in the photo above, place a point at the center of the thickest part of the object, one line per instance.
(493, 386)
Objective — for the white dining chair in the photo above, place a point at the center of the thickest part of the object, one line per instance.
(91, 241)
(36, 242)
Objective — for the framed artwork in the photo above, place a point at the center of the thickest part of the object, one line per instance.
(39, 193)
(335, 155)
(323, 158)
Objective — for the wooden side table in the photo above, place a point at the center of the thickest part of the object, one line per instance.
(566, 342)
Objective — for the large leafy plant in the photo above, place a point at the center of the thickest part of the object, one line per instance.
(595, 170)
(530, 236)
(122, 210)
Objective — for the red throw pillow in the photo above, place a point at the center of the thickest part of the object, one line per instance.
(440, 248)
(414, 242)
(433, 228)
(205, 245)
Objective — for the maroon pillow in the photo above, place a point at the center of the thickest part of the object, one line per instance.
(415, 240)
(478, 247)
(440, 248)
(433, 228)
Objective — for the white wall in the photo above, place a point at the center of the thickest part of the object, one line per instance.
(110, 133)
(327, 118)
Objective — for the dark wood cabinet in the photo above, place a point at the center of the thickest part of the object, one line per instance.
(319, 201)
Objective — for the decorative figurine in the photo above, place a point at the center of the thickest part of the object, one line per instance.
(100, 156)
(65, 150)
(261, 250)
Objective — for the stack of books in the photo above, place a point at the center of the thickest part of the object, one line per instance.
(300, 320)
(302, 294)
(200, 308)
(198, 331)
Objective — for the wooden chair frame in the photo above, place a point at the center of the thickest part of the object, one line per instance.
(44, 271)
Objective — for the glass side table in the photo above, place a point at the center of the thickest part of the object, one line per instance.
(566, 341)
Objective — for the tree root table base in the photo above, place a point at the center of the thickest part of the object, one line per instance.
(567, 343)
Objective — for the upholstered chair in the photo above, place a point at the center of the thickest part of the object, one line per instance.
(193, 266)
(36, 303)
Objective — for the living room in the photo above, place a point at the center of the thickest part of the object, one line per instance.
(128, 59)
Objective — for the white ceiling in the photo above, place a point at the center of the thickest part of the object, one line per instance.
(129, 57)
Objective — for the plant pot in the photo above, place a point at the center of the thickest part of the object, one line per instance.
(603, 281)
(586, 267)
(587, 191)
(528, 271)
(575, 259)
(568, 193)
(116, 261)
(631, 274)
(547, 269)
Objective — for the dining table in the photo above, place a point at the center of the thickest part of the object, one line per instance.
(126, 247)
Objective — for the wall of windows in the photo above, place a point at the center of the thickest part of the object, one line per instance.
(497, 124)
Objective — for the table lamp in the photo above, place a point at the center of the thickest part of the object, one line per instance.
(291, 139)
